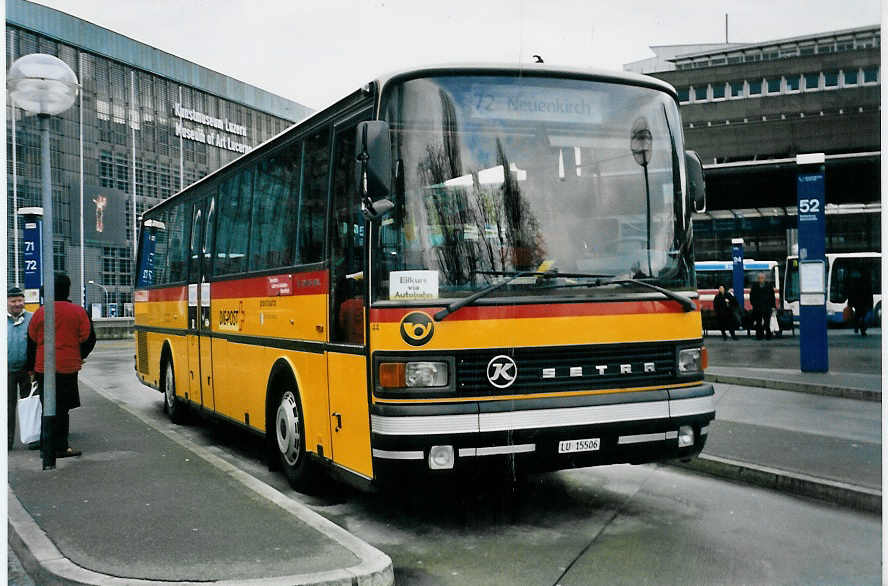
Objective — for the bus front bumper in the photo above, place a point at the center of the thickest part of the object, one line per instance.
(543, 434)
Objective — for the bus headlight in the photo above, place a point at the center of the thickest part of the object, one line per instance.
(690, 361)
(400, 375)
(426, 374)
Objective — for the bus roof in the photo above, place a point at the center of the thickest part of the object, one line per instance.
(540, 69)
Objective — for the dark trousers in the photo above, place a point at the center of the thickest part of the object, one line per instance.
(17, 385)
(66, 385)
(726, 322)
(860, 319)
(761, 321)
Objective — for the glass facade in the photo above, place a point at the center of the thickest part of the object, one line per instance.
(144, 137)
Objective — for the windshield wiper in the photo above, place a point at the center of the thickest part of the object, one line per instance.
(685, 303)
(489, 289)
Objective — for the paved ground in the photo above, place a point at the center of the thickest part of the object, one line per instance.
(15, 572)
(795, 442)
(848, 352)
(794, 439)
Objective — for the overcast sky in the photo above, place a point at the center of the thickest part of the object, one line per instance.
(314, 52)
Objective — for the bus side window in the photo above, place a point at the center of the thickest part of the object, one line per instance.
(194, 246)
(838, 286)
(177, 251)
(233, 232)
(347, 245)
(313, 198)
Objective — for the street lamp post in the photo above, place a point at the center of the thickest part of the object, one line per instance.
(105, 289)
(640, 143)
(44, 85)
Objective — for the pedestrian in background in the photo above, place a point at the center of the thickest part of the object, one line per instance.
(17, 378)
(860, 298)
(73, 333)
(725, 305)
(763, 300)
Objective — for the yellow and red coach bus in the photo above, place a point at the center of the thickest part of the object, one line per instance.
(450, 266)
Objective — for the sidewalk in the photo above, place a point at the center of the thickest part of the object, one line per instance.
(141, 507)
(822, 439)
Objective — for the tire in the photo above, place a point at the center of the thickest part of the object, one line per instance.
(172, 406)
(288, 440)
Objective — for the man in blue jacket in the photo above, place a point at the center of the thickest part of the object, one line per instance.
(17, 378)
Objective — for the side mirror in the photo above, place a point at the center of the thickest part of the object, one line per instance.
(696, 182)
(373, 151)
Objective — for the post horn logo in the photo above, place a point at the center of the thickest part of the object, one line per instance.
(417, 328)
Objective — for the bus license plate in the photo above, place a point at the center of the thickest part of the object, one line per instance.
(579, 445)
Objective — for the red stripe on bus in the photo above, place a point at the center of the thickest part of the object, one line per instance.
(177, 293)
(285, 284)
(310, 283)
(534, 311)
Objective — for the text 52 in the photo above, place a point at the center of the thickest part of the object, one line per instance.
(809, 206)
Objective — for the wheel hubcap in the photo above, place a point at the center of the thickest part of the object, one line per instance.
(287, 428)
(169, 388)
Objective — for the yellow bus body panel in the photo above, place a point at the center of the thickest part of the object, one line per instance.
(162, 314)
(349, 405)
(544, 331)
(301, 317)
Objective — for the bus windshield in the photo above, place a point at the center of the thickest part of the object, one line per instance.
(497, 175)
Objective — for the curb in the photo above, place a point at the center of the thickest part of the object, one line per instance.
(799, 387)
(47, 565)
(840, 493)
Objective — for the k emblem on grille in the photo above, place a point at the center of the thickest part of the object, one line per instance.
(502, 371)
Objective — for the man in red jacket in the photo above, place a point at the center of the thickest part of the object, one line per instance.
(72, 330)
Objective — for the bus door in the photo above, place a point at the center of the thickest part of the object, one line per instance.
(346, 356)
(200, 359)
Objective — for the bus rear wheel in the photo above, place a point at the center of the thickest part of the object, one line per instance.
(172, 406)
(289, 440)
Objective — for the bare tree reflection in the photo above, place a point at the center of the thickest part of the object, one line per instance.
(522, 226)
(482, 227)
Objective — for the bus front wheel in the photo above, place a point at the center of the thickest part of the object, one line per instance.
(289, 439)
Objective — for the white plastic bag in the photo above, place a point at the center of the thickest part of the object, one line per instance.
(30, 413)
(774, 326)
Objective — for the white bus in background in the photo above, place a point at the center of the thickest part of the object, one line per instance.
(712, 273)
(839, 267)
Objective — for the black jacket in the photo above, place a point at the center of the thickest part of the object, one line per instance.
(724, 304)
(860, 296)
(762, 298)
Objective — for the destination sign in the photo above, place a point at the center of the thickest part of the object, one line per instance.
(534, 103)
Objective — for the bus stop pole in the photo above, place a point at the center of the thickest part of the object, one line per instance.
(810, 190)
(47, 439)
(737, 274)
